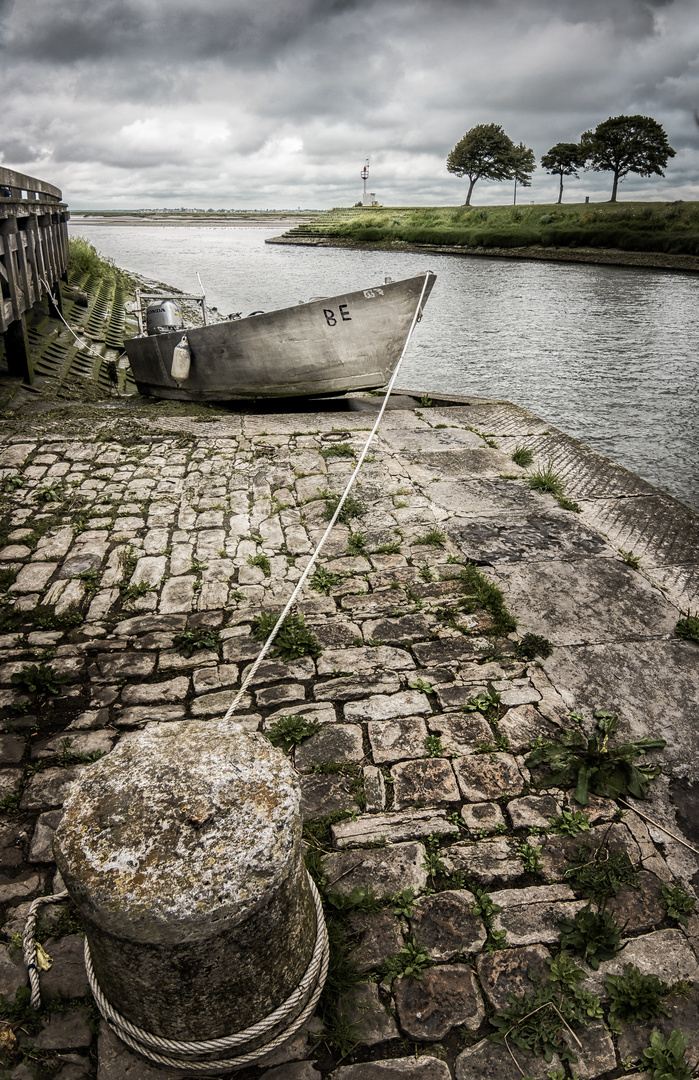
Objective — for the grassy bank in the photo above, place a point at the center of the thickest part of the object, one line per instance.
(669, 228)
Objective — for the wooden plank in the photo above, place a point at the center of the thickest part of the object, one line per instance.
(17, 350)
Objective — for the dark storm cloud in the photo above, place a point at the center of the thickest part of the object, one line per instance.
(245, 31)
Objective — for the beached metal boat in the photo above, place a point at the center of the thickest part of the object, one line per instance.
(327, 346)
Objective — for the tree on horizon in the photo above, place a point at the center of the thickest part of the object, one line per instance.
(487, 153)
(627, 144)
(563, 159)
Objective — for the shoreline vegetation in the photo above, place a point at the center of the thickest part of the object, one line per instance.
(658, 235)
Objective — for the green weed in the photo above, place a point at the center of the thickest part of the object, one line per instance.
(433, 538)
(678, 903)
(187, 642)
(134, 591)
(341, 450)
(403, 903)
(479, 592)
(409, 962)
(261, 562)
(288, 731)
(595, 767)
(594, 935)
(351, 508)
(356, 543)
(293, 639)
(434, 746)
(535, 1022)
(546, 480)
(570, 823)
(523, 455)
(688, 627)
(40, 680)
(598, 873)
(634, 996)
(666, 1060)
(323, 580)
(532, 645)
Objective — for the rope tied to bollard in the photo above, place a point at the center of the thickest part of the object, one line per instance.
(161, 1050)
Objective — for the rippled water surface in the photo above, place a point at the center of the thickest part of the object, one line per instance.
(608, 354)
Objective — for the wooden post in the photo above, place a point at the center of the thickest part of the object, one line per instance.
(17, 350)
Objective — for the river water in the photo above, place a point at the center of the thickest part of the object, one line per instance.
(607, 354)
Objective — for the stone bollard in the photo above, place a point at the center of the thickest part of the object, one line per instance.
(182, 851)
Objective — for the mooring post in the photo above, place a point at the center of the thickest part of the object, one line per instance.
(182, 851)
(17, 352)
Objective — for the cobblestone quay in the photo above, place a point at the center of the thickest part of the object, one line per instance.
(144, 551)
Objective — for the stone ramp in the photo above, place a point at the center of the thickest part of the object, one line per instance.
(133, 534)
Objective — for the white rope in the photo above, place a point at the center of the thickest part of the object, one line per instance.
(80, 342)
(265, 648)
(309, 988)
(29, 945)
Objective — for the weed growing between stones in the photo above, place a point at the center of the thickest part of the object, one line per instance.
(288, 731)
(293, 639)
(591, 766)
(634, 996)
(666, 1060)
(409, 962)
(535, 1022)
(531, 646)
(45, 618)
(135, 591)
(599, 873)
(433, 538)
(323, 580)
(479, 592)
(187, 642)
(688, 627)
(339, 993)
(356, 543)
(261, 562)
(389, 549)
(341, 450)
(546, 480)
(570, 823)
(403, 903)
(530, 856)
(594, 935)
(486, 910)
(523, 455)
(487, 703)
(677, 903)
(434, 746)
(351, 507)
(41, 681)
(634, 561)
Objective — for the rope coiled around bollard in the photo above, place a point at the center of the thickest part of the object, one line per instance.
(29, 945)
(146, 1044)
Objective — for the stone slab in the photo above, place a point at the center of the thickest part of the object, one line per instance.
(586, 601)
(373, 828)
(387, 870)
(428, 1008)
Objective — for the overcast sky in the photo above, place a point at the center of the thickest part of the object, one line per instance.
(277, 103)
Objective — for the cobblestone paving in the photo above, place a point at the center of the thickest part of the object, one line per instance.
(137, 554)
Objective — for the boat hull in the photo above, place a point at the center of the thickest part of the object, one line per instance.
(328, 346)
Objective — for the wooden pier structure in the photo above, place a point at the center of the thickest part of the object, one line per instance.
(33, 250)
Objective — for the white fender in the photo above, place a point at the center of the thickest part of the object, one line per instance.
(181, 360)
